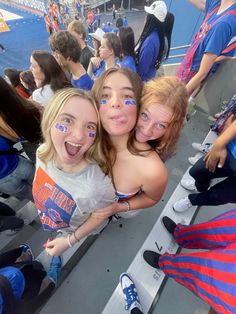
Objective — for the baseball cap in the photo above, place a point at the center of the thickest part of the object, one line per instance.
(158, 9)
(98, 34)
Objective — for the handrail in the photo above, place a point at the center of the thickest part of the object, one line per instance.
(179, 47)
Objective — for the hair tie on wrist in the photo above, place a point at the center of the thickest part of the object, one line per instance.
(75, 237)
(68, 240)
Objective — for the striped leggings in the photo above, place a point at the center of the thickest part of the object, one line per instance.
(211, 275)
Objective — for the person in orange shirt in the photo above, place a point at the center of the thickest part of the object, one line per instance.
(55, 24)
(47, 23)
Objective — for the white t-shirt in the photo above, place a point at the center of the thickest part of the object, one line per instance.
(43, 94)
(66, 200)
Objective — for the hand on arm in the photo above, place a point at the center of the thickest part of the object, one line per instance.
(207, 62)
(59, 245)
(153, 187)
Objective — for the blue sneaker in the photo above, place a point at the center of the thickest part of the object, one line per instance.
(130, 292)
(26, 249)
(55, 269)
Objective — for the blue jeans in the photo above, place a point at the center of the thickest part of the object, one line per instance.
(19, 182)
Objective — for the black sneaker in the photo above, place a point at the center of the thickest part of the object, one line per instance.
(11, 223)
(152, 258)
(4, 195)
(169, 224)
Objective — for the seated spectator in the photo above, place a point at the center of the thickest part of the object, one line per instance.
(48, 76)
(220, 162)
(206, 49)
(110, 52)
(150, 46)
(27, 80)
(77, 29)
(211, 274)
(25, 285)
(19, 121)
(68, 53)
(126, 36)
(67, 163)
(12, 76)
(96, 40)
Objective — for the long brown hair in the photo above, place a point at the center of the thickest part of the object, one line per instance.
(108, 150)
(21, 115)
(171, 92)
(54, 75)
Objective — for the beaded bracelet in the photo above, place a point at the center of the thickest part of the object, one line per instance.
(127, 204)
(68, 240)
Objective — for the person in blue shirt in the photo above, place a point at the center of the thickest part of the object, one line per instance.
(24, 284)
(150, 46)
(68, 52)
(107, 28)
(126, 36)
(110, 52)
(220, 162)
(125, 21)
(214, 42)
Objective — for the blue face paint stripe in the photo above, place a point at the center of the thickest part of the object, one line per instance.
(130, 102)
(92, 134)
(103, 102)
(61, 127)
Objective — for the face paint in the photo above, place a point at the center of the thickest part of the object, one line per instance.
(92, 134)
(61, 127)
(103, 102)
(130, 102)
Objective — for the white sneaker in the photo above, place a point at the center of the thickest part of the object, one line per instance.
(193, 160)
(188, 184)
(182, 205)
(203, 148)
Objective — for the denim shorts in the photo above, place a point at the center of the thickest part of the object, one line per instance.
(19, 182)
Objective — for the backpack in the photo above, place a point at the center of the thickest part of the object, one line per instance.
(230, 110)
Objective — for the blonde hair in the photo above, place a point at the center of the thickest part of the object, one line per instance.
(172, 93)
(46, 151)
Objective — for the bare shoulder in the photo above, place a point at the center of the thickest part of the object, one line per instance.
(152, 167)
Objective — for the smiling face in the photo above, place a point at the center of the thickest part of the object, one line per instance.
(38, 74)
(153, 122)
(104, 50)
(118, 110)
(73, 132)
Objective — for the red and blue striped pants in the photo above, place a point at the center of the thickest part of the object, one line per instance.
(211, 275)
